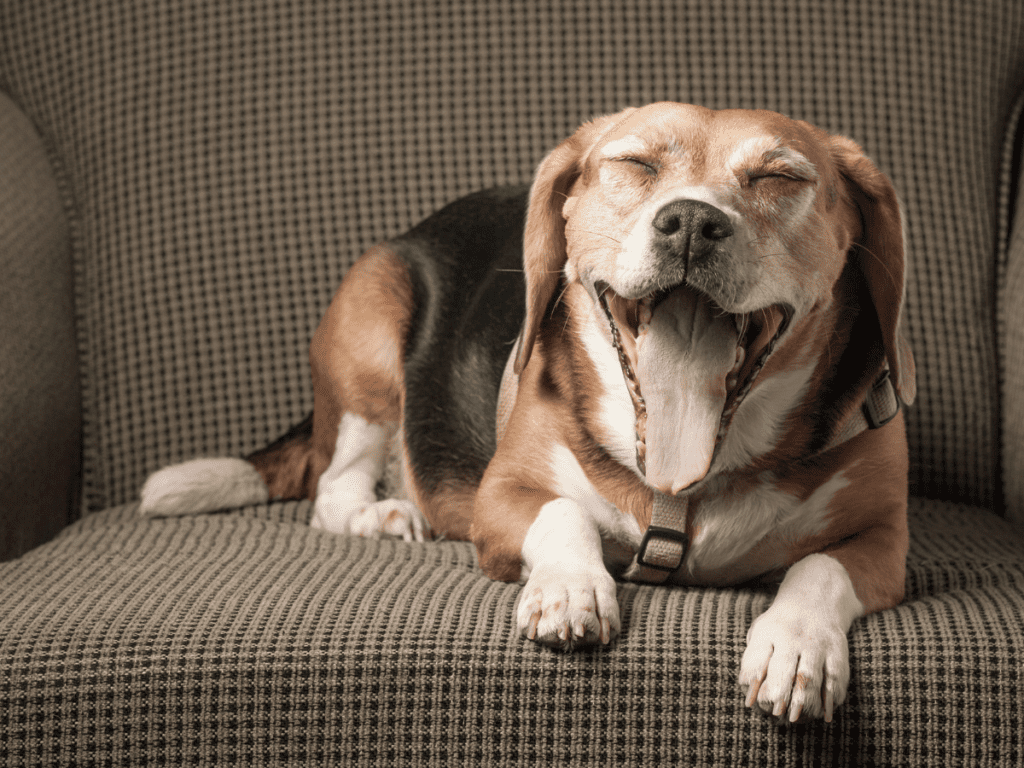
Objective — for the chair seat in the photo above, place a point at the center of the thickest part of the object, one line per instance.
(140, 641)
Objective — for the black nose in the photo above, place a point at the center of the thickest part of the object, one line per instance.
(688, 228)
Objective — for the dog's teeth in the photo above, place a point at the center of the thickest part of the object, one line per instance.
(741, 355)
(730, 383)
(645, 325)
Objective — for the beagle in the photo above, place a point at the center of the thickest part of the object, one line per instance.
(698, 382)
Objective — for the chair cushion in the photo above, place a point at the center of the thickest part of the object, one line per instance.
(249, 637)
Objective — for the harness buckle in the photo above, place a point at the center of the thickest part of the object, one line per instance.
(670, 534)
(882, 403)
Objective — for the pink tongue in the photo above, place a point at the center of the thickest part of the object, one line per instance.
(682, 363)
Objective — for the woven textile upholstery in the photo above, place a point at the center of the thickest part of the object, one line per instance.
(228, 160)
(251, 639)
(221, 164)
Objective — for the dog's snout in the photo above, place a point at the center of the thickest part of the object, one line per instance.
(690, 227)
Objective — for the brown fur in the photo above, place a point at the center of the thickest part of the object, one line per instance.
(286, 465)
(867, 524)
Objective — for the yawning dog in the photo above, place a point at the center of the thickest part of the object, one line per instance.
(697, 383)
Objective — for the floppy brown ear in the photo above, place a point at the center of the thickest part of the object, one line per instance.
(544, 249)
(879, 254)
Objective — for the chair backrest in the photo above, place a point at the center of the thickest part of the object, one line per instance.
(227, 161)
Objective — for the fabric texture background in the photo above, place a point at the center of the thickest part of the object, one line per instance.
(214, 168)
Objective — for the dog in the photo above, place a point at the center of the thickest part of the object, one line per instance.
(699, 382)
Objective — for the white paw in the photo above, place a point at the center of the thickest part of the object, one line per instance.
(565, 607)
(796, 665)
(391, 517)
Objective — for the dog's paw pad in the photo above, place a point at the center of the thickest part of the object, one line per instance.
(794, 670)
(391, 517)
(565, 608)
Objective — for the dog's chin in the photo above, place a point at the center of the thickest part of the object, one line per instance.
(688, 365)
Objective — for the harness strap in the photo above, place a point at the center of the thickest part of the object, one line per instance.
(880, 406)
(665, 541)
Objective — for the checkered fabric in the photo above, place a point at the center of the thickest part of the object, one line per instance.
(251, 639)
(228, 161)
(221, 164)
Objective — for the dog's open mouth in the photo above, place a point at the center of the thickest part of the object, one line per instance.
(688, 365)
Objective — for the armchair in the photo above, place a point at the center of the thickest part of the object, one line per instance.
(182, 186)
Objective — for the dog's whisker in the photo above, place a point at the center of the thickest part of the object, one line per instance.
(880, 261)
(561, 295)
(591, 232)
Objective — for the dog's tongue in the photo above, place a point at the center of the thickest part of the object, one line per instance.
(683, 360)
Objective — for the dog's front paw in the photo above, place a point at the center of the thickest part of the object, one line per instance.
(565, 607)
(796, 665)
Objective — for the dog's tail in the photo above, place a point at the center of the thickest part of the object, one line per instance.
(282, 470)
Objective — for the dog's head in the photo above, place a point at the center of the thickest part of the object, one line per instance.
(708, 239)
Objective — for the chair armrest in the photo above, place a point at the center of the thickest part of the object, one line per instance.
(40, 400)
(1011, 321)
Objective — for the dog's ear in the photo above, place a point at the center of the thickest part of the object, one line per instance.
(879, 254)
(544, 247)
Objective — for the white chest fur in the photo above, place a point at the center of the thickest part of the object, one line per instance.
(738, 537)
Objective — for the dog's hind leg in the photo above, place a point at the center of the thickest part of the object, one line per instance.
(338, 455)
(356, 358)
